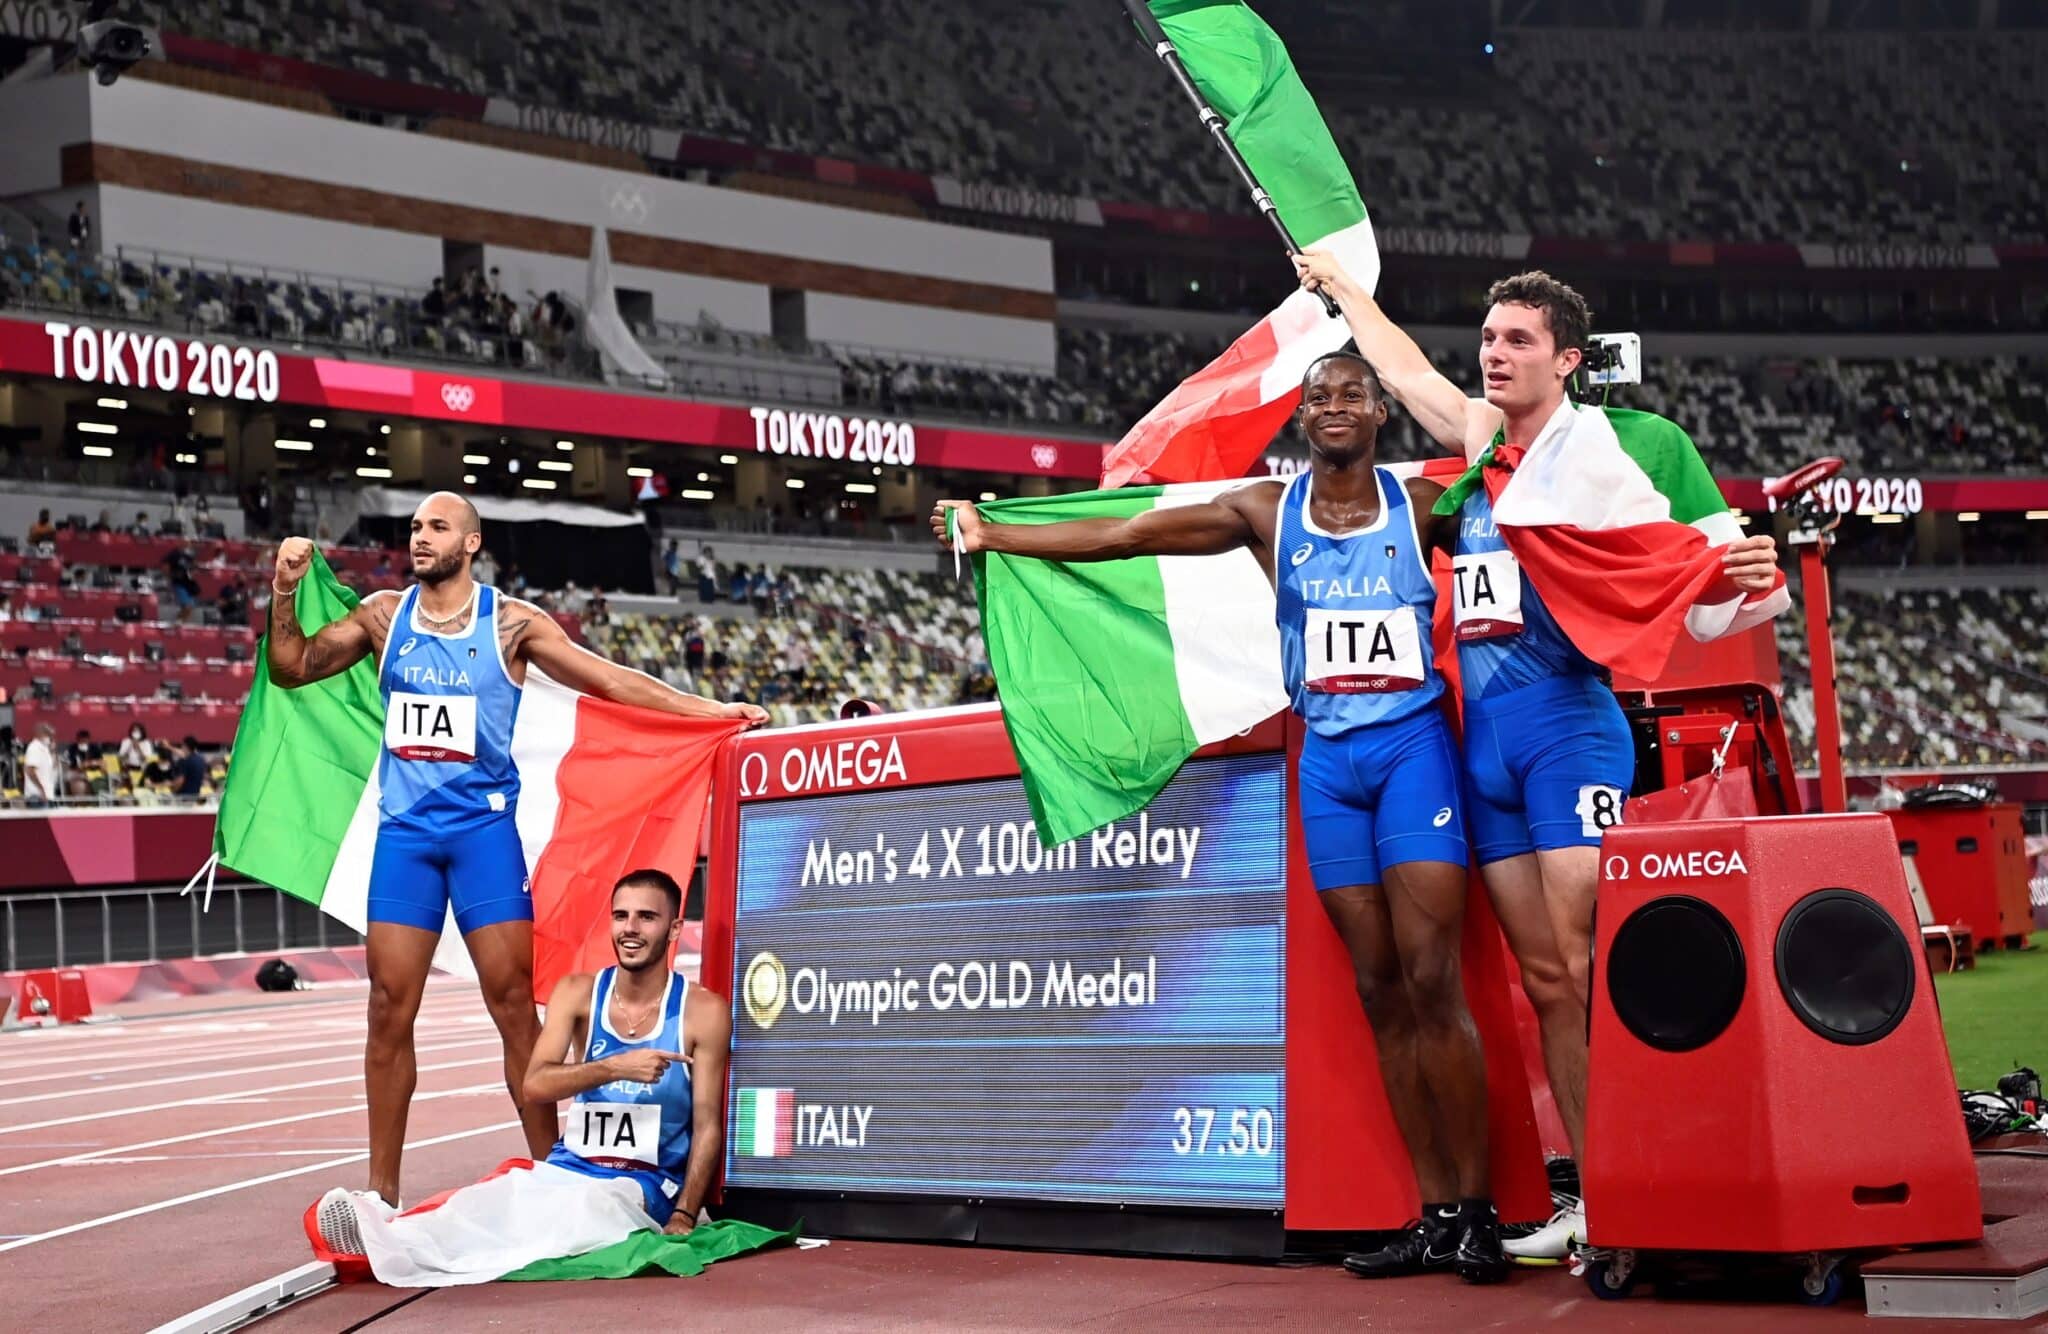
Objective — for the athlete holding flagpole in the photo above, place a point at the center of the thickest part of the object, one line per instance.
(1548, 757)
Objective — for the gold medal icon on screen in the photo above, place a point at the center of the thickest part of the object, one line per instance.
(765, 987)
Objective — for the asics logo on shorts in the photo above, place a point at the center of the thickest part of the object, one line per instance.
(1443, 817)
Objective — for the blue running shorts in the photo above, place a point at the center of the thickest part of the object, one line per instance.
(1546, 766)
(415, 876)
(1379, 796)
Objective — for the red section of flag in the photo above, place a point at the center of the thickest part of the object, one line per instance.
(785, 1122)
(1620, 594)
(633, 788)
(1215, 423)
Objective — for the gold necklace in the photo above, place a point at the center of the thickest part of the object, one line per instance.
(633, 1028)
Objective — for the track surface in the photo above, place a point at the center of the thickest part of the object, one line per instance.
(152, 1166)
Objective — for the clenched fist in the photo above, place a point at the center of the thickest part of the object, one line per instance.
(294, 558)
(966, 522)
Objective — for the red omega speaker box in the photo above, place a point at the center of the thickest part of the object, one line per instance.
(1768, 1072)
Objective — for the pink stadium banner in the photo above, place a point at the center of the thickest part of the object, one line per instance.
(111, 357)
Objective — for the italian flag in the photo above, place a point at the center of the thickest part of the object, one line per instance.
(604, 789)
(1614, 518)
(1112, 673)
(1220, 418)
(527, 1221)
(764, 1122)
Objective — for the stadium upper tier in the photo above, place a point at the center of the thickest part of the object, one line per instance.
(1815, 137)
(1752, 416)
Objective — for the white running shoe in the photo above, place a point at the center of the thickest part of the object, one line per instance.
(336, 1220)
(1554, 1240)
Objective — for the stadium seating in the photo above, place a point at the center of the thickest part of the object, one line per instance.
(1672, 136)
(1927, 677)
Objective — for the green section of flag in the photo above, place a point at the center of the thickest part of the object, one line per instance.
(1243, 70)
(301, 759)
(647, 1253)
(1668, 457)
(1083, 659)
(1657, 445)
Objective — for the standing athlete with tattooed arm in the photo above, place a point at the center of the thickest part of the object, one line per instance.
(452, 658)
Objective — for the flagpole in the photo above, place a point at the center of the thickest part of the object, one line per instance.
(1162, 47)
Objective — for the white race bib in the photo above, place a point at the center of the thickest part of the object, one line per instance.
(1489, 595)
(1362, 652)
(431, 727)
(620, 1131)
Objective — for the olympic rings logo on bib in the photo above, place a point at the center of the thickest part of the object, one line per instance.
(439, 728)
(1366, 651)
(1488, 595)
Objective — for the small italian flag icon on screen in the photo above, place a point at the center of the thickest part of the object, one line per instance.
(765, 1125)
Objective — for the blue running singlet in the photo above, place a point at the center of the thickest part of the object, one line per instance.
(629, 1129)
(1354, 611)
(449, 706)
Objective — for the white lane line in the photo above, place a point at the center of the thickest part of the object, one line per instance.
(235, 1072)
(184, 1051)
(150, 1061)
(259, 1299)
(345, 1109)
(208, 1099)
(233, 1186)
(87, 1041)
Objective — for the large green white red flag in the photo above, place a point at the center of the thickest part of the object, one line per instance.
(1223, 416)
(603, 789)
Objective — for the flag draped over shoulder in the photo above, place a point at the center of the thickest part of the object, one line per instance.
(604, 788)
(1219, 419)
(1112, 673)
(1617, 522)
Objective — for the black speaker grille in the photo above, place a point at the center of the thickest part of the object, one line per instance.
(1844, 966)
(1676, 973)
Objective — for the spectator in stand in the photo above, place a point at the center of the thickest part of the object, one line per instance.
(707, 576)
(6, 606)
(484, 569)
(693, 650)
(188, 769)
(82, 754)
(104, 525)
(434, 305)
(42, 530)
(39, 767)
(672, 569)
(140, 528)
(760, 590)
(135, 747)
(158, 773)
(80, 227)
(739, 584)
(184, 584)
(233, 603)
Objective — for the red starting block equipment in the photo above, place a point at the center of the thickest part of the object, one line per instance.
(1768, 1072)
(51, 996)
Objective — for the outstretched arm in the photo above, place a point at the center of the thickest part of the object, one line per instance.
(537, 637)
(1207, 529)
(298, 659)
(1463, 425)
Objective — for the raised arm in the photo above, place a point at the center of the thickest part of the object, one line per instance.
(298, 659)
(531, 633)
(1462, 425)
(1223, 524)
(707, 1038)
